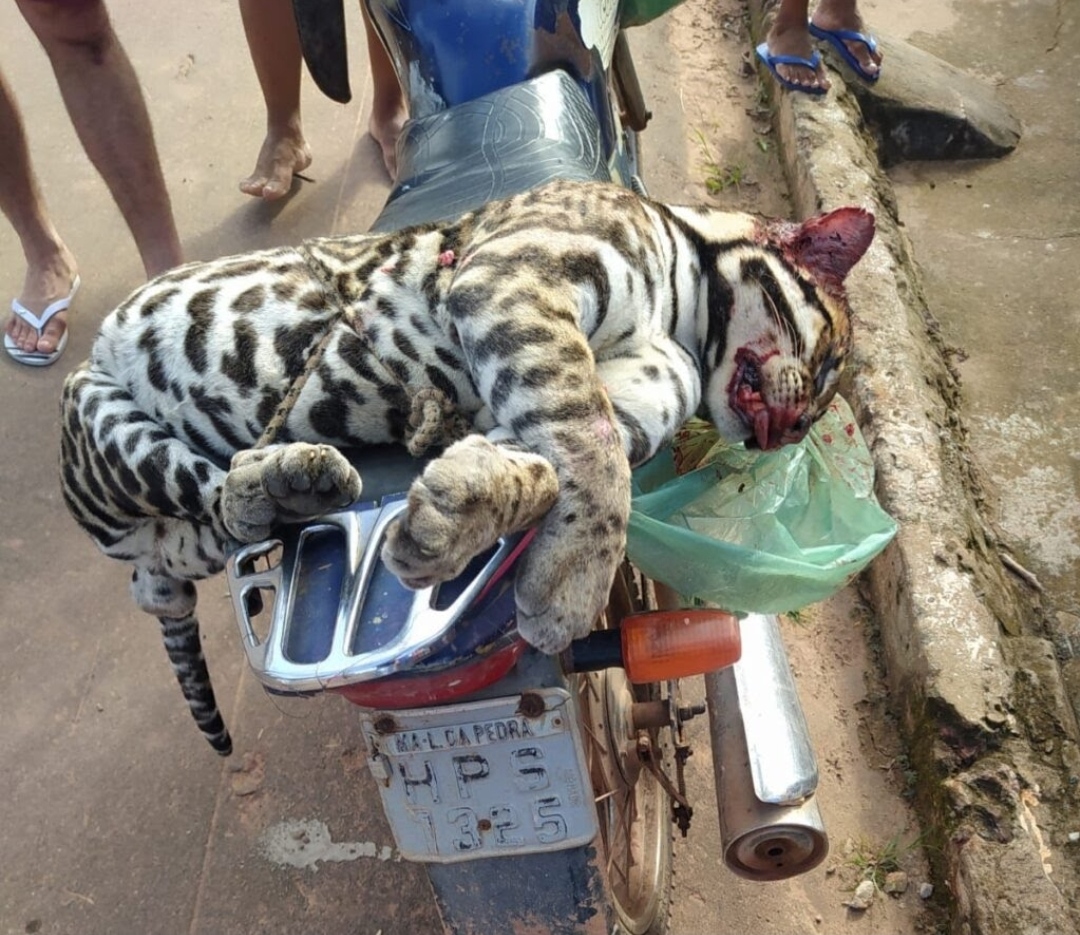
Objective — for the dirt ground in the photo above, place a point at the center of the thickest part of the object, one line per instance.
(729, 158)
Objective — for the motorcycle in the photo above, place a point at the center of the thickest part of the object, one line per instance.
(537, 790)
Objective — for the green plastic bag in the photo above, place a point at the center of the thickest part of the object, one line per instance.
(762, 532)
(639, 12)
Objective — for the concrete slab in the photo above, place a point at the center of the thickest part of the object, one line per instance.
(922, 107)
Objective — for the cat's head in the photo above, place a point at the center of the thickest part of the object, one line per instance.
(779, 329)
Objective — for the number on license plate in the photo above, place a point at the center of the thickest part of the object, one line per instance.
(481, 779)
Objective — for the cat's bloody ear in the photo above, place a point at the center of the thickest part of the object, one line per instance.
(829, 245)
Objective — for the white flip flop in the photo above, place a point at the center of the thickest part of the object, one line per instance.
(35, 358)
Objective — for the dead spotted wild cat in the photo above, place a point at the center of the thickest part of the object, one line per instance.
(571, 330)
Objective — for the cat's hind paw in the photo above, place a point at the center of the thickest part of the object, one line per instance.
(285, 484)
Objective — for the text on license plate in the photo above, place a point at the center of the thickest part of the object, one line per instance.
(480, 780)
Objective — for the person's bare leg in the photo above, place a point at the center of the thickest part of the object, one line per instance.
(844, 14)
(789, 35)
(50, 266)
(106, 106)
(388, 108)
(274, 44)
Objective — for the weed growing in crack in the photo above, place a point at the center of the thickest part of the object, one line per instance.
(875, 862)
(718, 178)
(797, 617)
(725, 178)
(909, 776)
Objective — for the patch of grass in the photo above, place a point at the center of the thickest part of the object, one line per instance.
(718, 178)
(797, 617)
(763, 102)
(909, 776)
(876, 861)
(728, 177)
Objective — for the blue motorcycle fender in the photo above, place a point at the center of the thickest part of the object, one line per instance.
(455, 51)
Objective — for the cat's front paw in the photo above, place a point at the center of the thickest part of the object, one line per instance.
(562, 586)
(285, 484)
(464, 501)
(565, 575)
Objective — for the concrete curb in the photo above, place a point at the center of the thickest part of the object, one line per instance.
(991, 734)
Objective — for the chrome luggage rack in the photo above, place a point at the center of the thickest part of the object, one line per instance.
(339, 616)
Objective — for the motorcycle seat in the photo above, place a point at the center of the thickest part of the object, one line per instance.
(492, 147)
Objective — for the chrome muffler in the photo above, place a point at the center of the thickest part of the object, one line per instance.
(766, 771)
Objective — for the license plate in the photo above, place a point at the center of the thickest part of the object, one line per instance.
(482, 779)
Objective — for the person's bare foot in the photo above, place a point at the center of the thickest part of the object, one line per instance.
(831, 20)
(284, 153)
(44, 284)
(795, 40)
(385, 129)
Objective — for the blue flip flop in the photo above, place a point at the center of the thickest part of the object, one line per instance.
(771, 61)
(838, 38)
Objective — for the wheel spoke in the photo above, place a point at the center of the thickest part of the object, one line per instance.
(596, 740)
(615, 851)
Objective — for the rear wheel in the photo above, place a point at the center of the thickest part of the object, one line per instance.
(633, 808)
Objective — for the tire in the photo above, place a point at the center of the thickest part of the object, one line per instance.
(634, 810)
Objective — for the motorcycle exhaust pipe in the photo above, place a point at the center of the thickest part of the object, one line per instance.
(766, 771)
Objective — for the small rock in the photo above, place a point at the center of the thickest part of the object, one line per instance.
(896, 883)
(1074, 836)
(247, 777)
(862, 897)
(926, 890)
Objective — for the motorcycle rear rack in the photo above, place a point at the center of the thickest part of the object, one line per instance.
(293, 574)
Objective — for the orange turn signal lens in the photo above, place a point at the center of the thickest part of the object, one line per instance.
(674, 644)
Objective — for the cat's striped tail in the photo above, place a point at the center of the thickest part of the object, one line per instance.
(184, 646)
